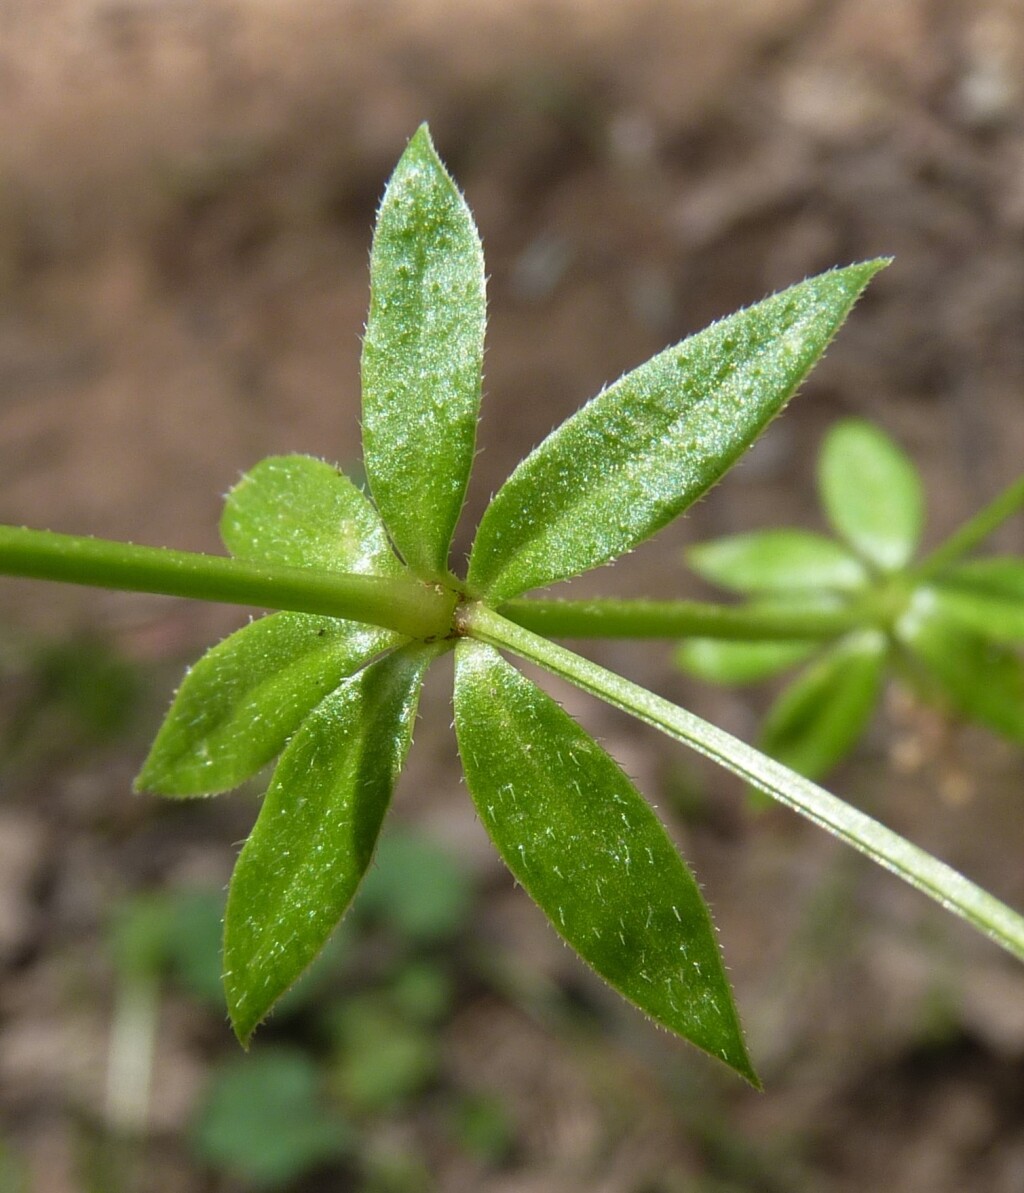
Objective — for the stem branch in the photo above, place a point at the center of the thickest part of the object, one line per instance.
(974, 531)
(678, 619)
(937, 880)
(408, 606)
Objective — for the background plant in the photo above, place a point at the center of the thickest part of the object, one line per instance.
(950, 629)
(336, 698)
(355, 1045)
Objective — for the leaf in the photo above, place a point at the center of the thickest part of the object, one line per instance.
(999, 575)
(382, 1059)
(587, 848)
(422, 357)
(871, 492)
(725, 661)
(316, 832)
(643, 450)
(418, 888)
(776, 560)
(986, 596)
(301, 512)
(979, 679)
(240, 703)
(262, 1120)
(821, 714)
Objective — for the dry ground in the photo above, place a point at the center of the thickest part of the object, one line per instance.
(187, 192)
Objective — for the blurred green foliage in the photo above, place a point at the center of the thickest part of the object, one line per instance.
(63, 698)
(355, 1044)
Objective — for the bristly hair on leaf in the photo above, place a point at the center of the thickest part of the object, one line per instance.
(334, 701)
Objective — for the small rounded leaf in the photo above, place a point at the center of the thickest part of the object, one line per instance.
(871, 492)
(264, 1120)
(724, 661)
(776, 561)
(301, 512)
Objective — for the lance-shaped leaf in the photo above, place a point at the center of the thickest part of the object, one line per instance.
(776, 561)
(978, 678)
(986, 596)
(643, 450)
(871, 492)
(239, 705)
(821, 714)
(579, 838)
(422, 357)
(724, 661)
(316, 832)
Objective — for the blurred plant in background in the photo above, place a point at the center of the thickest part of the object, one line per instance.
(950, 630)
(354, 1051)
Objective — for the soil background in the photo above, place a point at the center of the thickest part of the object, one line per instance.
(187, 194)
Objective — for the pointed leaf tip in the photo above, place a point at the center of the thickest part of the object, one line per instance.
(644, 449)
(589, 850)
(241, 702)
(422, 360)
(316, 832)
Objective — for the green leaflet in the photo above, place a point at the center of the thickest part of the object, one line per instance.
(579, 838)
(776, 560)
(301, 512)
(986, 596)
(240, 703)
(316, 831)
(265, 1120)
(641, 451)
(237, 707)
(980, 679)
(418, 888)
(820, 715)
(871, 492)
(422, 357)
(726, 661)
(914, 865)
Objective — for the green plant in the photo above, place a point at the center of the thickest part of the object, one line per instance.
(356, 1039)
(77, 692)
(331, 683)
(264, 1122)
(949, 629)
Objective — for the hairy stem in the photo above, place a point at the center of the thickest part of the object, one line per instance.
(678, 619)
(974, 531)
(943, 884)
(408, 606)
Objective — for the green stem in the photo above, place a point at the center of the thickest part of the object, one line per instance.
(678, 619)
(974, 531)
(914, 865)
(408, 606)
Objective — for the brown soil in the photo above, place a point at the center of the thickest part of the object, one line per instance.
(187, 192)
